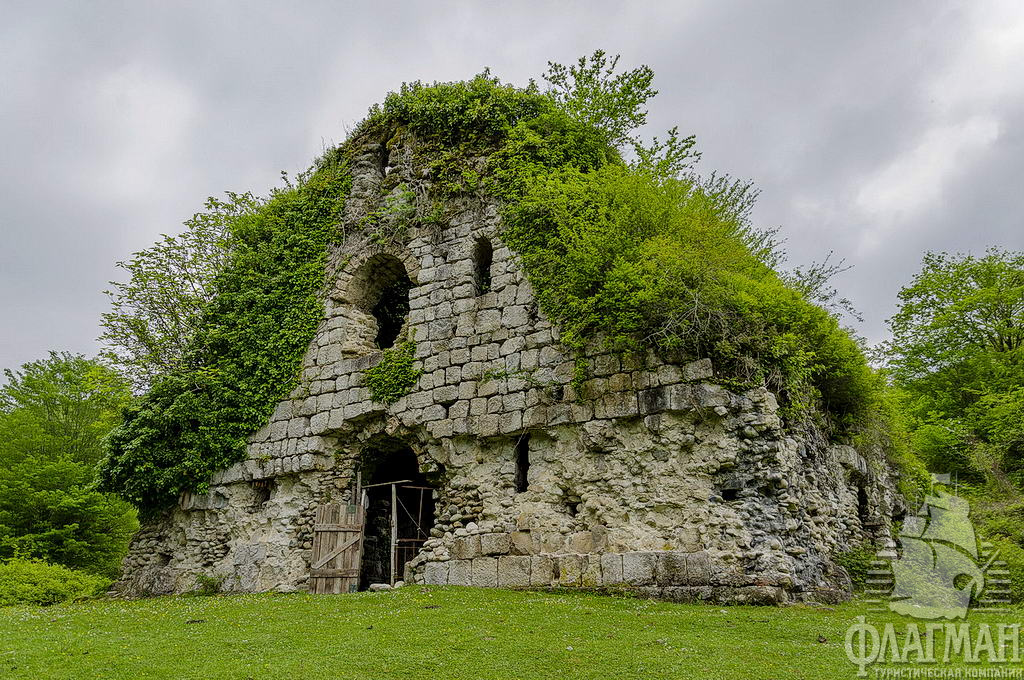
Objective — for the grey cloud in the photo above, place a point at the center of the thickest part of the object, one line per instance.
(118, 118)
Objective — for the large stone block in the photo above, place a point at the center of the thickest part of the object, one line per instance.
(701, 369)
(667, 398)
(542, 571)
(521, 543)
(535, 416)
(672, 569)
(711, 396)
(550, 541)
(611, 569)
(511, 422)
(514, 571)
(698, 569)
(618, 405)
(466, 547)
(570, 570)
(485, 572)
(460, 573)
(639, 568)
(495, 544)
(591, 576)
(435, 573)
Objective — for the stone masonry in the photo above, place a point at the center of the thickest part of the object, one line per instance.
(653, 478)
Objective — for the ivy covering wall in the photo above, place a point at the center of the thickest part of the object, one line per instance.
(247, 353)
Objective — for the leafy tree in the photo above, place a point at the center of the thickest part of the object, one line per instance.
(957, 308)
(957, 349)
(157, 311)
(591, 92)
(614, 105)
(65, 403)
(54, 416)
(246, 351)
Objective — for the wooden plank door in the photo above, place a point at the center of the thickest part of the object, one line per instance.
(337, 548)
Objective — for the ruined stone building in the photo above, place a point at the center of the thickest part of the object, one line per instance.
(659, 479)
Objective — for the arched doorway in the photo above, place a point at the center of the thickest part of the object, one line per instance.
(399, 510)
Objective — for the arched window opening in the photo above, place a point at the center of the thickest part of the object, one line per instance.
(261, 492)
(522, 480)
(381, 288)
(483, 256)
(391, 311)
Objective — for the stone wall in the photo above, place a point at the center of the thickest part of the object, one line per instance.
(654, 477)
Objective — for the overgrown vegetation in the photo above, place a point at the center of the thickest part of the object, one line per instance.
(208, 585)
(857, 562)
(245, 353)
(639, 253)
(394, 375)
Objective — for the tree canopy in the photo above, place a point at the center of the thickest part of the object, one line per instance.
(54, 416)
(957, 350)
(156, 312)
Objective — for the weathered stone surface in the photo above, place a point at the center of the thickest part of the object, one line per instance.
(466, 547)
(639, 568)
(514, 571)
(542, 571)
(611, 569)
(485, 572)
(460, 573)
(591, 577)
(698, 569)
(495, 544)
(570, 570)
(436, 574)
(672, 569)
(521, 543)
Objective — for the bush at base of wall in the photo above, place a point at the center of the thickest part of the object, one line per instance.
(34, 582)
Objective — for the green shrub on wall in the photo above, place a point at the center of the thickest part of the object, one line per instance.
(640, 255)
(394, 375)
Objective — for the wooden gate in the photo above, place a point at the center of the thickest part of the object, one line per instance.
(337, 548)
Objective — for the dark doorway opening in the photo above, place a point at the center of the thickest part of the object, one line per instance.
(392, 310)
(863, 509)
(399, 510)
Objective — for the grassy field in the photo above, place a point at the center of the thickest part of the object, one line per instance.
(418, 632)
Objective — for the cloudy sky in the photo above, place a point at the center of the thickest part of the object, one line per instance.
(876, 129)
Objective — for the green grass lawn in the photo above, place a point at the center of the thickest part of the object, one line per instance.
(421, 632)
